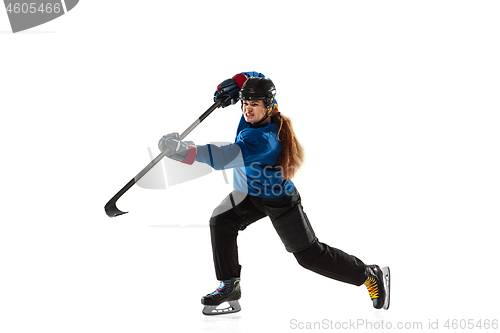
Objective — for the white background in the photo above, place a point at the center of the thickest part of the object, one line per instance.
(397, 106)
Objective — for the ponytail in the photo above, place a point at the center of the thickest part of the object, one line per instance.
(292, 154)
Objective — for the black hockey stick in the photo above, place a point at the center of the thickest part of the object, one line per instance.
(110, 207)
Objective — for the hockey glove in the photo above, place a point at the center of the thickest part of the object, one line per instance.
(184, 151)
(230, 87)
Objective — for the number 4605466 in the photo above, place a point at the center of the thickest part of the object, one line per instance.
(32, 8)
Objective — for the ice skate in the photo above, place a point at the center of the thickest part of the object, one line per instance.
(229, 293)
(378, 283)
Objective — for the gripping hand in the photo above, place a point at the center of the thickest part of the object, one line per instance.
(230, 87)
(183, 151)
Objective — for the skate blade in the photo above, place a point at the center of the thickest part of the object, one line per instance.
(387, 284)
(231, 307)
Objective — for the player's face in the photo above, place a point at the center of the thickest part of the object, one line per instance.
(254, 111)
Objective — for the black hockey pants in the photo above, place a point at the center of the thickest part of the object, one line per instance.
(239, 210)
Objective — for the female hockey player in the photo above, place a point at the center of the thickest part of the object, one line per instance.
(265, 156)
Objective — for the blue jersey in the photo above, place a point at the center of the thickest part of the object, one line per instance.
(255, 158)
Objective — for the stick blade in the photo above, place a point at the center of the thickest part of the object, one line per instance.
(112, 210)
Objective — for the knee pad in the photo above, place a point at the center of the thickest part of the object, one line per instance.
(308, 256)
(295, 230)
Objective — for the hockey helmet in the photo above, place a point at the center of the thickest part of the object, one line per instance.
(258, 88)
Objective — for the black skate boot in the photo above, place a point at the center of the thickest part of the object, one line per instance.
(229, 291)
(378, 283)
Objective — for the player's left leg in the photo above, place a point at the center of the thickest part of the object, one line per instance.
(293, 227)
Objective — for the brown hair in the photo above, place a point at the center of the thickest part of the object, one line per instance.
(292, 154)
